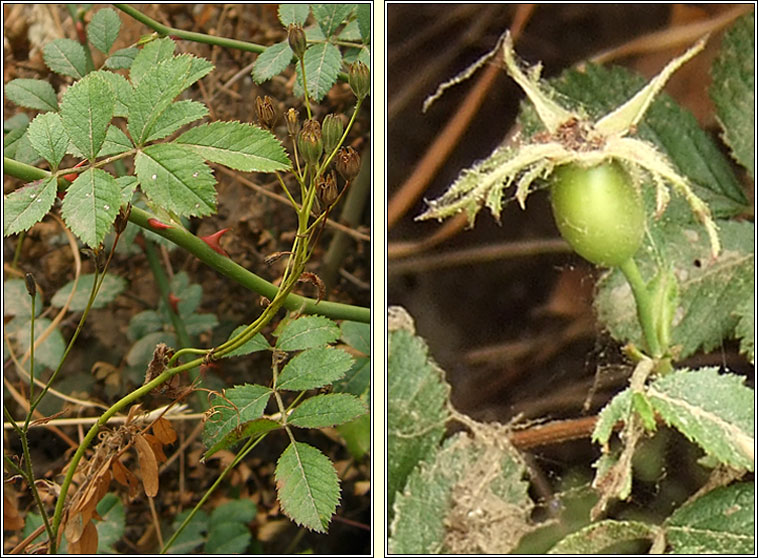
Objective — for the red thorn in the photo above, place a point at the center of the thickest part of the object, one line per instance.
(212, 240)
(154, 223)
(173, 300)
(61, 194)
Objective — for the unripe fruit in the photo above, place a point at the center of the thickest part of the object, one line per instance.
(598, 211)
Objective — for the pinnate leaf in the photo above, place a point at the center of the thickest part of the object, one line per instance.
(307, 486)
(152, 54)
(239, 146)
(272, 61)
(91, 205)
(314, 368)
(176, 179)
(293, 13)
(307, 332)
(417, 395)
(66, 57)
(240, 404)
(322, 64)
(17, 146)
(733, 90)
(177, 115)
(49, 138)
(87, 108)
(714, 410)
(122, 90)
(719, 522)
(325, 410)
(115, 142)
(32, 93)
(122, 58)
(103, 29)
(330, 16)
(112, 286)
(28, 205)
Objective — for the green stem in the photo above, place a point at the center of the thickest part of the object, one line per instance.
(225, 266)
(645, 310)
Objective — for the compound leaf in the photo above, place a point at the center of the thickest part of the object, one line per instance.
(103, 30)
(322, 64)
(26, 206)
(239, 405)
(239, 146)
(176, 179)
(32, 93)
(307, 332)
(307, 486)
(49, 352)
(122, 89)
(91, 205)
(733, 90)
(66, 57)
(87, 108)
(714, 410)
(49, 138)
(272, 61)
(257, 343)
(330, 16)
(228, 532)
(321, 411)
(112, 286)
(115, 142)
(293, 13)
(314, 368)
(719, 522)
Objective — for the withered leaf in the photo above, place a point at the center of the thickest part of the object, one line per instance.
(164, 431)
(148, 466)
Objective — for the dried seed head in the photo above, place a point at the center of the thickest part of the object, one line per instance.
(331, 131)
(359, 79)
(326, 190)
(293, 122)
(348, 163)
(296, 39)
(122, 219)
(266, 111)
(309, 141)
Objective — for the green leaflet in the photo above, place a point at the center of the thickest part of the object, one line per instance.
(86, 109)
(257, 343)
(152, 54)
(314, 368)
(103, 29)
(322, 64)
(733, 90)
(293, 13)
(236, 145)
(331, 16)
(307, 486)
(321, 411)
(32, 93)
(240, 404)
(272, 61)
(27, 205)
(121, 59)
(66, 57)
(48, 137)
(91, 205)
(307, 332)
(176, 179)
(112, 286)
(177, 115)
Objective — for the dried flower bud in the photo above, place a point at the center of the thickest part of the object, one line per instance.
(122, 219)
(293, 122)
(331, 131)
(267, 114)
(326, 190)
(359, 79)
(31, 284)
(309, 141)
(348, 163)
(296, 39)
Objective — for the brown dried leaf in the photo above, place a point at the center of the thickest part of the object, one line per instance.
(309, 277)
(125, 477)
(87, 543)
(164, 431)
(157, 447)
(148, 466)
(12, 520)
